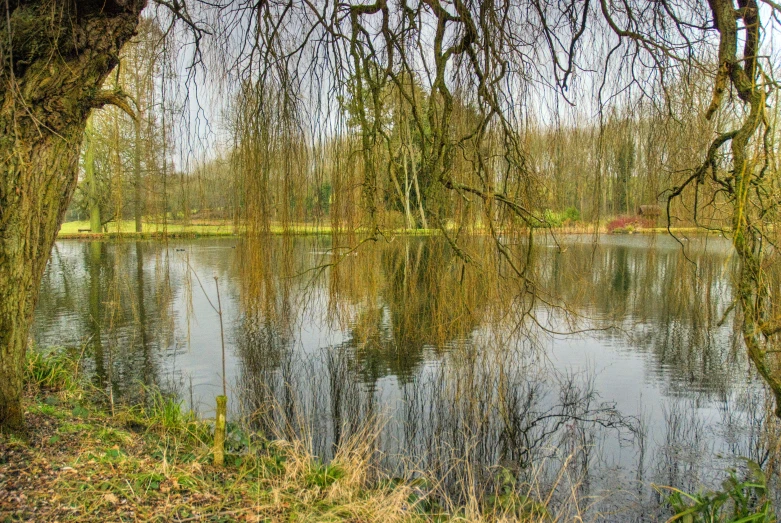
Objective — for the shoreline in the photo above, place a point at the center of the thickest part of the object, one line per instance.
(228, 231)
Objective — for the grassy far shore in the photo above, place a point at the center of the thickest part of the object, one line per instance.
(126, 228)
(85, 461)
(197, 229)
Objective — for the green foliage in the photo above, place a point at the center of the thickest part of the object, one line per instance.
(508, 500)
(551, 218)
(166, 411)
(163, 414)
(52, 370)
(572, 214)
(80, 412)
(163, 411)
(323, 476)
(737, 502)
(237, 438)
(273, 465)
(149, 481)
(111, 455)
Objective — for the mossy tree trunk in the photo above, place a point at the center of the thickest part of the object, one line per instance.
(59, 54)
(748, 183)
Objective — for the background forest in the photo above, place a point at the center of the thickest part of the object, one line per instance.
(580, 168)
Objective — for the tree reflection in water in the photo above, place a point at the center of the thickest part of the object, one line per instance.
(460, 368)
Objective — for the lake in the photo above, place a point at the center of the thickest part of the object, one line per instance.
(608, 370)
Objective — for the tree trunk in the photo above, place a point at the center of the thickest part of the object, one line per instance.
(423, 221)
(92, 185)
(39, 177)
(138, 196)
(749, 235)
(407, 210)
(49, 82)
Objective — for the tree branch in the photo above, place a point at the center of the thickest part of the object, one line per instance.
(116, 98)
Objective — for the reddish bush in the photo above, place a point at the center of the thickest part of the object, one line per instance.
(628, 223)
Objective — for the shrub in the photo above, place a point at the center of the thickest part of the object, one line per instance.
(552, 218)
(628, 224)
(572, 214)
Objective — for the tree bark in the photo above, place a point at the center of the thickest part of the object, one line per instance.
(60, 53)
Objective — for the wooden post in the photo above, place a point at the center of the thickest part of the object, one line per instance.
(219, 430)
(222, 401)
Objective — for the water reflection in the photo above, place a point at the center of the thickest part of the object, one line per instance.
(98, 297)
(463, 370)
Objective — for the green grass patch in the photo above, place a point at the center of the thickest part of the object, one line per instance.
(156, 230)
(50, 370)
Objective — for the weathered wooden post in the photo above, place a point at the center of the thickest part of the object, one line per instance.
(219, 430)
(222, 401)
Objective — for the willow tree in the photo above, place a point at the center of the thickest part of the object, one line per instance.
(55, 56)
(515, 62)
(486, 69)
(740, 164)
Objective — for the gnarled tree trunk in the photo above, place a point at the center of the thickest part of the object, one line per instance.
(59, 54)
(748, 231)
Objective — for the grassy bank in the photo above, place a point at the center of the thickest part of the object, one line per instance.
(126, 229)
(84, 461)
(88, 461)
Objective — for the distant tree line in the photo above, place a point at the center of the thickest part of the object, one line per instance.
(585, 168)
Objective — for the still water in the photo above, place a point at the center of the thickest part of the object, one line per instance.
(609, 370)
